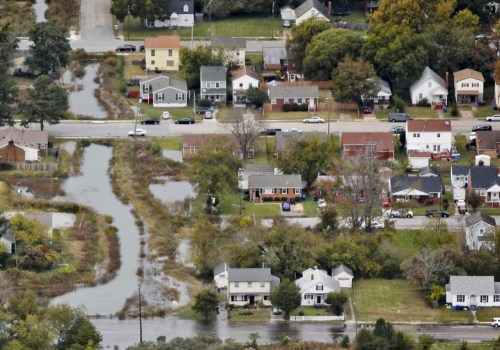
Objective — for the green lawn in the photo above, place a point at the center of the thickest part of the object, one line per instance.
(264, 150)
(458, 346)
(168, 143)
(415, 111)
(230, 205)
(311, 311)
(399, 301)
(259, 315)
(484, 111)
(486, 314)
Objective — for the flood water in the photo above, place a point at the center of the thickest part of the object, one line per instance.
(172, 191)
(40, 7)
(82, 100)
(93, 188)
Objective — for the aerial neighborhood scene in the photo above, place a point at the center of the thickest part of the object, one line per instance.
(249, 174)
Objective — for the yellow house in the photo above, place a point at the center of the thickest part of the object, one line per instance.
(162, 53)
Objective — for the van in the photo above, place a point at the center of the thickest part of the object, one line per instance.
(495, 322)
(399, 117)
(208, 115)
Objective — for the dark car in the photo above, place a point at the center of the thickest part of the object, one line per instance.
(126, 47)
(141, 48)
(481, 127)
(398, 130)
(185, 121)
(151, 121)
(436, 212)
(270, 131)
(367, 110)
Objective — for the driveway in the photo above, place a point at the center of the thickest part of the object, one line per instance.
(96, 22)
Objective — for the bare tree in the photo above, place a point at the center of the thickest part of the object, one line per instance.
(5, 285)
(428, 266)
(245, 127)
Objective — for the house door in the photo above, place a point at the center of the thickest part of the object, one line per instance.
(257, 194)
(472, 300)
(251, 299)
(318, 299)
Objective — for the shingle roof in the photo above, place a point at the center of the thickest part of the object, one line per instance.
(487, 139)
(163, 81)
(497, 287)
(258, 168)
(478, 217)
(23, 136)
(250, 275)
(308, 4)
(424, 184)
(320, 276)
(382, 140)
(428, 125)
(220, 268)
(426, 75)
(177, 6)
(460, 169)
(163, 42)
(467, 73)
(273, 55)
(482, 176)
(235, 74)
(293, 92)
(228, 42)
(342, 268)
(428, 169)
(213, 73)
(275, 181)
(472, 285)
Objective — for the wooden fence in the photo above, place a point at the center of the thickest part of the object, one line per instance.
(25, 166)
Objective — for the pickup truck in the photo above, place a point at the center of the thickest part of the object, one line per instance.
(203, 110)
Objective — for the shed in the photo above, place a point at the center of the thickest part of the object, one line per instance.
(344, 275)
(485, 159)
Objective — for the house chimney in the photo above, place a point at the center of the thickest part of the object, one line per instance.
(329, 8)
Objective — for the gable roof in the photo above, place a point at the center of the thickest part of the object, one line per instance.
(483, 176)
(273, 55)
(24, 137)
(472, 285)
(213, 73)
(293, 91)
(250, 274)
(460, 169)
(342, 268)
(426, 75)
(320, 276)
(246, 70)
(424, 184)
(258, 168)
(383, 86)
(220, 268)
(477, 217)
(163, 81)
(382, 140)
(177, 6)
(163, 42)
(228, 42)
(487, 139)
(428, 170)
(428, 125)
(275, 181)
(467, 73)
(309, 4)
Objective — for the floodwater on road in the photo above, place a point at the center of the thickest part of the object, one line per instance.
(93, 188)
(40, 7)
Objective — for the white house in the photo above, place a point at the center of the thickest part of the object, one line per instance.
(459, 175)
(344, 275)
(164, 91)
(181, 15)
(383, 95)
(287, 13)
(250, 286)
(234, 48)
(221, 275)
(315, 285)
(428, 135)
(419, 160)
(311, 9)
(9, 241)
(243, 79)
(431, 87)
(497, 93)
(469, 86)
(479, 231)
(477, 291)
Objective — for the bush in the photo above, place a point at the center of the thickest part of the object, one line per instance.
(454, 110)
(277, 199)
(284, 199)
(423, 102)
(204, 103)
(294, 107)
(399, 104)
(245, 313)
(303, 107)
(298, 198)
(301, 313)
(286, 107)
(267, 199)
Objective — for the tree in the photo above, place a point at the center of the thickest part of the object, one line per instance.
(301, 37)
(81, 335)
(327, 49)
(205, 246)
(192, 60)
(206, 303)
(337, 301)
(328, 218)
(425, 342)
(429, 266)
(256, 96)
(306, 155)
(436, 293)
(245, 127)
(119, 9)
(474, 200)
(47, 102)
(8, 88)
(287, 297)
(50, 49)
(353, 79)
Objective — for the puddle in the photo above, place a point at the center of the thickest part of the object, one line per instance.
(174, 155)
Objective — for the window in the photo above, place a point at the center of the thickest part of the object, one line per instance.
(308, 296)
(146, 87)
(319, 287)
(427, 146)
(484, 298)
(217, 85)
(273, 102)
(299, 100)
(153, 52)
(268, 191)
(460, 298)
(475, 84)
(236, 284)
(284, 190)
(192, 149)
(170, 63)
(179, 97)
(152, 61)
(297, 191)
(414, 135)
(170, 52)
(249, 285)
(439, 135)
(185, 8)
(241, 85)
(159, 97)
(465, 84)
(222, 275)
(420, 96)
(209, 85)
(418, 135)
(266, 297)
(496, 298)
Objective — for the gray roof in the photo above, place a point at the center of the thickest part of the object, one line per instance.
(258, 168)
(250, 275)
(497, 287)
(483, 176)
(426, 75)
(213, 73)
(424, 184)
(341, 268)
(9, 237)
(220, 268)
(23, 136)
(293, 92)
(308, 4)
(428, 169)
(472, 285)
(275, 181)
(460, 169)
(274, 55)
(228, 42)
(478, 217)
(161, 82)
(177, 6)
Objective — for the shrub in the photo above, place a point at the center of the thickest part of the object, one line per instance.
(298, 198)
(294, 107)
(454, 110)
(301, 313)
(245, 313)
(286, 107)
(267, 199)
(423, 102)
(284, 199)
(399, 104)
(303, 107)
(204, 103)
(277, 199)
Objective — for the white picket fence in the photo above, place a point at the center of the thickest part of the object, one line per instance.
(317, 318)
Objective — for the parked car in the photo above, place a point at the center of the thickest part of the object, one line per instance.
(137, 132)
(398, 117)
(269, 131)
(314, 119)
(151, 121)
(495, 322)
(398, 130)
(208, 115)
(367, 110)
(185, 121)
(286, 24)
(493, 118)
(375, 224)
(165, 115)
(436, 212)
(126, 47)
(277, 311)
(285, 206)
(482, 127)
(321, 203)
(400, 213)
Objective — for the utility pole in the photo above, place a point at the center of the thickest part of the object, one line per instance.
(210, 18)
(128, 22)
(140, 315)
(272, 22)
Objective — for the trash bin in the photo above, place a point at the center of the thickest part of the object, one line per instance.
(303, 197)
(457, 307)
(315, 197)
(445, 109)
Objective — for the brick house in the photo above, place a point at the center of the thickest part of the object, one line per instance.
(488, 143)
(281, 95)
(23, 145)
(378, 145)
(263, 188)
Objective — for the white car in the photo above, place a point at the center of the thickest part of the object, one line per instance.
(314, 120)
(165, 115)
(294, 130)
(374, 224)
(472, 136)
(321, 203)
(138, 132)
(493, 118)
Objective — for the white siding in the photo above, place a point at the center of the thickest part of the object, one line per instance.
(468, 82)
(311, 13)
(428, 141)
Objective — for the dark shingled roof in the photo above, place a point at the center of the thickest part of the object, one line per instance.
(460, 169)
(275, 181)
(483, 176)
(177, 6)
(424, 184)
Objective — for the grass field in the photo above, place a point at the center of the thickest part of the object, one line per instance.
(486, 314)
(415, 111)
(260, 315)
(399, 301)
(230, 205)
(311, 311)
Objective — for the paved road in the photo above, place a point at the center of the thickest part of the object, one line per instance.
(96, 22)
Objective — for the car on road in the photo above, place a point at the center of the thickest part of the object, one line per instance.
(165, 115)
(285, 206)
(185, 121)
(493, 118)
(367, 110)
(294, 130)
(398, 117)
(269, 131)
(314, 119)
(126, 47)
(137, 132)
(375, 224)
(436, 212)
(481, 127)
(321, 203)
(495, 322)
(400, 213)
(398, 130)
(151, 121)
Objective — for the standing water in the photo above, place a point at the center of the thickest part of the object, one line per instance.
(40, 7)
(93, 188)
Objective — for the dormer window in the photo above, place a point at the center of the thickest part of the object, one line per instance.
(186, 8)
